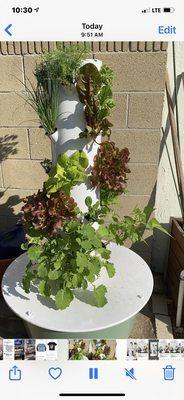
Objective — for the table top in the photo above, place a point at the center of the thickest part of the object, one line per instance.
(127, 293)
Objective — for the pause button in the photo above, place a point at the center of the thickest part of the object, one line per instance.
(93, 373)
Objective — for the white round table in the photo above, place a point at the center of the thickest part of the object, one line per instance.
(127, 293)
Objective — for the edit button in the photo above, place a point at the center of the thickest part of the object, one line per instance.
(166, 30)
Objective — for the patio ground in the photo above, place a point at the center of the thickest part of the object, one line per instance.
(144, 326)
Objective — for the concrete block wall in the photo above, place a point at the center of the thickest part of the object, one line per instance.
(139, 70)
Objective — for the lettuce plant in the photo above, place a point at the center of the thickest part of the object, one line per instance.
(68, 172)
(48, 214)
(110, 169)
(94, 89)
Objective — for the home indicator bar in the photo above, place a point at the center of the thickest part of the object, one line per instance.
(92, 394)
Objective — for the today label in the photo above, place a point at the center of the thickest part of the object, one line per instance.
(92, 26)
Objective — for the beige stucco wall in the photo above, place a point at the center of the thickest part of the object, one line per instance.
(139, 70)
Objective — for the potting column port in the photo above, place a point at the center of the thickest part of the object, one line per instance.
(127, 293)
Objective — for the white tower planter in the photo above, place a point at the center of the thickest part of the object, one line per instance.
(126, 292)
(71, 122)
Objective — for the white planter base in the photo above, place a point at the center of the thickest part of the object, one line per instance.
(127, 293)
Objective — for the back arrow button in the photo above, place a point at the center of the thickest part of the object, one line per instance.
(7, 29)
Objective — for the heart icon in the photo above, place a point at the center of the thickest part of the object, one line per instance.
(55, 373)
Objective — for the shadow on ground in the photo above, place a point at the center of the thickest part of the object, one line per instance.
(144, 324)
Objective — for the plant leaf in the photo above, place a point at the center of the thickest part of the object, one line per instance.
(99, 293)
(103, 231)
(105, 253)
(54, 275)
(87, 245)
(110, 269)
(34, 252)
(88, 201)
(63, 298)
(148, 211)
(57, 264)
(27, 279)
(154, 224)
(81, 261)
(42, 271)
(43, 288)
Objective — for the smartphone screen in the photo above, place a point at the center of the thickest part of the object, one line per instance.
(91, 199)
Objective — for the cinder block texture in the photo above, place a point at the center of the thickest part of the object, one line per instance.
(40, 47)
(143, 145)
(119, 113)
(136, 71)
(142, 178)
(30, 62)
(145, 110)
(11, 201)
(126, 203)
(13, 143)
(15, 111)
(11, 73)
(40, 144)
(23, 174)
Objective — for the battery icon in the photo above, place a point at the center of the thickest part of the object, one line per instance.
(168, 9)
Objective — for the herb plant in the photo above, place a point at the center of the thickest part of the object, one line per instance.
(120, 230)
(56, 68)
(71, 260)
(45, 102)
(61, 65)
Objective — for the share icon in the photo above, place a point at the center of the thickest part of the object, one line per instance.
(130, 373)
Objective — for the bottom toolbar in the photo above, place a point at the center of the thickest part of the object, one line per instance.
(51, 380)
(53, 368)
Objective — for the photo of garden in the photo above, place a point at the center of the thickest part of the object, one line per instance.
(91, 192)
(100, 349)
